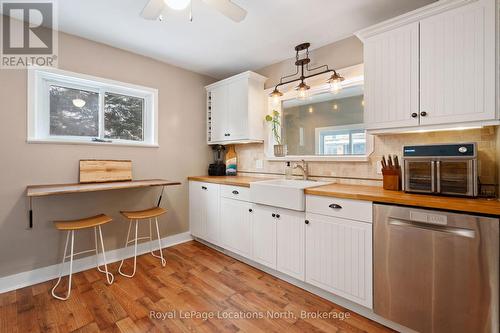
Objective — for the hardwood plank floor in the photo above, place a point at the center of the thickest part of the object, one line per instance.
(196, 278)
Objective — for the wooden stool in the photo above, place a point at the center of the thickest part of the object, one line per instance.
(71, 226)
(143, 215)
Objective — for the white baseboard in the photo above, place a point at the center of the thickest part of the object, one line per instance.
(39, 275)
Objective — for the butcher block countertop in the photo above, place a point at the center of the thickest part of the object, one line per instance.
(243, 181)
(376, 194)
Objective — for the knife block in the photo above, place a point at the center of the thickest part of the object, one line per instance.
(392, 179)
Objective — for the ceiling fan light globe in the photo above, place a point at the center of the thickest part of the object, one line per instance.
(177, 4)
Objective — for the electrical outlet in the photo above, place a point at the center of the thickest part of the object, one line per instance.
(379, 167)
(259, 164)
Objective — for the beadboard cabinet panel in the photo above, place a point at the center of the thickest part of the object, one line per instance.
(204, 211)
(236, 226)
(457, 65)
(339, 257)
(264, 235)
(391, 78)
(291, 243)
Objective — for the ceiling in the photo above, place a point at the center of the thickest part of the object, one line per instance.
(216, 46)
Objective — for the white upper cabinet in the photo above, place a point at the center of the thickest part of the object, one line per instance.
(432, 67)
(457, 65)
(235, 108)
(391, 78)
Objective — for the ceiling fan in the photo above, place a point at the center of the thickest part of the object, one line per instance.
(154, 8)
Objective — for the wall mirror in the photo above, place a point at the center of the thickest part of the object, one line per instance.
(324, 125)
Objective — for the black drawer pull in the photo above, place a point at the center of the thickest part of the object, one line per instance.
(204, 188)
(236, 192)
(307, 221)
(335, 206)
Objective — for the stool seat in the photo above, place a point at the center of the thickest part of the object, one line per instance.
(88, 222)
(144, 214)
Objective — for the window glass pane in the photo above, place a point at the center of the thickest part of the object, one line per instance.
(123, 117)
(73, 112)
(342, 142)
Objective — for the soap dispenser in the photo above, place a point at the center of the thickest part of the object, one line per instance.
(288, 171)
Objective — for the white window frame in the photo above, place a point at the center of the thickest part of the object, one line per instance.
(39, 80)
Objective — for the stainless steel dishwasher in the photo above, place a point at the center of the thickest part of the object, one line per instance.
(436, 271)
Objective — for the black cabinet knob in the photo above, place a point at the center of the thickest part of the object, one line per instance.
(273, 215)
(236, 192)
(335, 206)
(250, 210)
(278, 216)
(423, 113)
(307, 221)
(414, 115)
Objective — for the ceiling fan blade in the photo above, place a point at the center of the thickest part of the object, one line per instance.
(228, 9)
(153, 9)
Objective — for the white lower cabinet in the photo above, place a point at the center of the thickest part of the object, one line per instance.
(290, 247)
(236, 226)
(339, 257)
(264, 235)
(204, 211)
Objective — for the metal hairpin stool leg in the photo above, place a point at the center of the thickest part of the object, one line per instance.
(72, 226)
(135, 217)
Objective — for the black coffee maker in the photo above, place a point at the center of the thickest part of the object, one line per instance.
(218, 168)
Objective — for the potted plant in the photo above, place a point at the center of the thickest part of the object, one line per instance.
(274, 120)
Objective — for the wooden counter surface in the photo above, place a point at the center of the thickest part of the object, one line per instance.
(53, 189)
(243, 181)
(378, 194)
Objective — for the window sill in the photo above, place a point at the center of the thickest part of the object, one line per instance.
(91, 143)
(309, 158)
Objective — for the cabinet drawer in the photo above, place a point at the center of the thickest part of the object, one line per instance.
(235, 192)
(343, 208)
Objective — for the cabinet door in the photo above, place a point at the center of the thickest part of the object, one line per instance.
(290, 232)
(219, 111)
(339, 257)
(236, 227)
(391, 78)
(457, 65)
(197, 209)
(211, 210)
(237, 109)
(264, 235)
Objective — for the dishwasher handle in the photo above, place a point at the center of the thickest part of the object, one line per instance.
(462, 232)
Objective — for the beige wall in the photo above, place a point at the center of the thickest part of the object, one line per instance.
(345, 53)
(182, 152)
(349, 52)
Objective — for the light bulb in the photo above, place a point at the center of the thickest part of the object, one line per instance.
(177, 4)
(302, 94)
(302, 91)
(276, 100)
(79, 103)
(335, 87)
